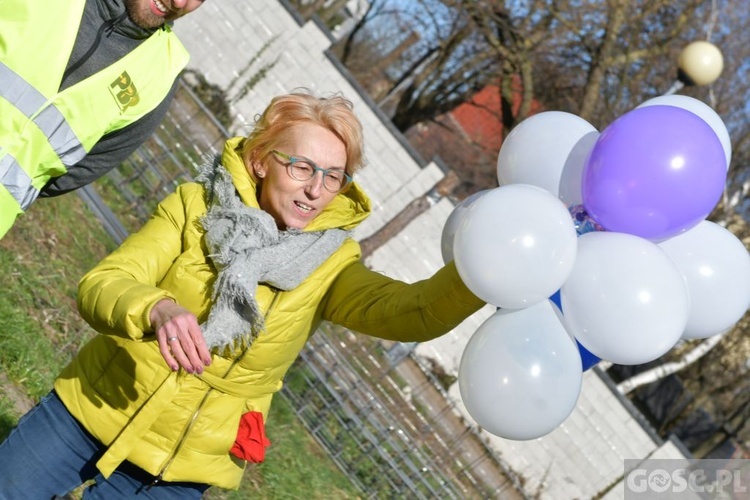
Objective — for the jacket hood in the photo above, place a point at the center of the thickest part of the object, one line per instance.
(346, 211)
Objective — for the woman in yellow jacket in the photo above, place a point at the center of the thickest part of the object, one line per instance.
(201, 313)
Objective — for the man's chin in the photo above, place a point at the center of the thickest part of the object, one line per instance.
(145, 19)
(152, 22)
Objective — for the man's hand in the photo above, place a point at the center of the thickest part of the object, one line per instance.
(180, 339)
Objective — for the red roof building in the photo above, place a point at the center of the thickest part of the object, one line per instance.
(468, 139)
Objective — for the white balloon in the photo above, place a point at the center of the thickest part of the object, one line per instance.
(548, 150)
(520, 373)
(452, 223)
(704, 111)
(716, 267)
(625, 300)
(572, 174)
(515, 246)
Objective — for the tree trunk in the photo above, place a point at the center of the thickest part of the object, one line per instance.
(349, 40)
(410, 212)
(662, 371)
(599, 67)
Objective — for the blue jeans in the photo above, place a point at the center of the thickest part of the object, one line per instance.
(49, 453)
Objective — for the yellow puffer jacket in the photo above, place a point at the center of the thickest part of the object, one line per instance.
(178, 426)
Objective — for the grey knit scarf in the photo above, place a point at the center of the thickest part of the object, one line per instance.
(247, 248)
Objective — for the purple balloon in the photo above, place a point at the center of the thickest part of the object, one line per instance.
(655, 172)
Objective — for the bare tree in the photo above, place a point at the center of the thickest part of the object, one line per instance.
(345, 47)
(726, 96)
(598, 60)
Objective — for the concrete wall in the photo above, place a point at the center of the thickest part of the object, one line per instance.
(580, 459)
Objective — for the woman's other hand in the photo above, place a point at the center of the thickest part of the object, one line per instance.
(180, 339)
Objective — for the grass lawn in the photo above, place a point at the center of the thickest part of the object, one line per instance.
(41, 260)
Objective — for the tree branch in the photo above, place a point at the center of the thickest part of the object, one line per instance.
(662, 371)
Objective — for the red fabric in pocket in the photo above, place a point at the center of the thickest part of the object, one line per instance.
(251, 442)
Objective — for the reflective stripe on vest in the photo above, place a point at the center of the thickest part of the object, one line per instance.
(17, 181)
(50, 120)
(45, 131)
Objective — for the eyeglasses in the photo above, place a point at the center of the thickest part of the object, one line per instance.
(302, 169)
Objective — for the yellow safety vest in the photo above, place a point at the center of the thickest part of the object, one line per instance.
(43, 131)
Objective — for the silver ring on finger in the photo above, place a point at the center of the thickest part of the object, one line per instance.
(172, 339)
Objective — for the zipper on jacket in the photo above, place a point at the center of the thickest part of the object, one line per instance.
(189, 425)
(185, 432)
(108, 26)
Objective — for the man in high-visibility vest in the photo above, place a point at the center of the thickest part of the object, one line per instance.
(82, 84)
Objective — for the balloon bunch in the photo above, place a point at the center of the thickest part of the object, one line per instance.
(594, 246)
